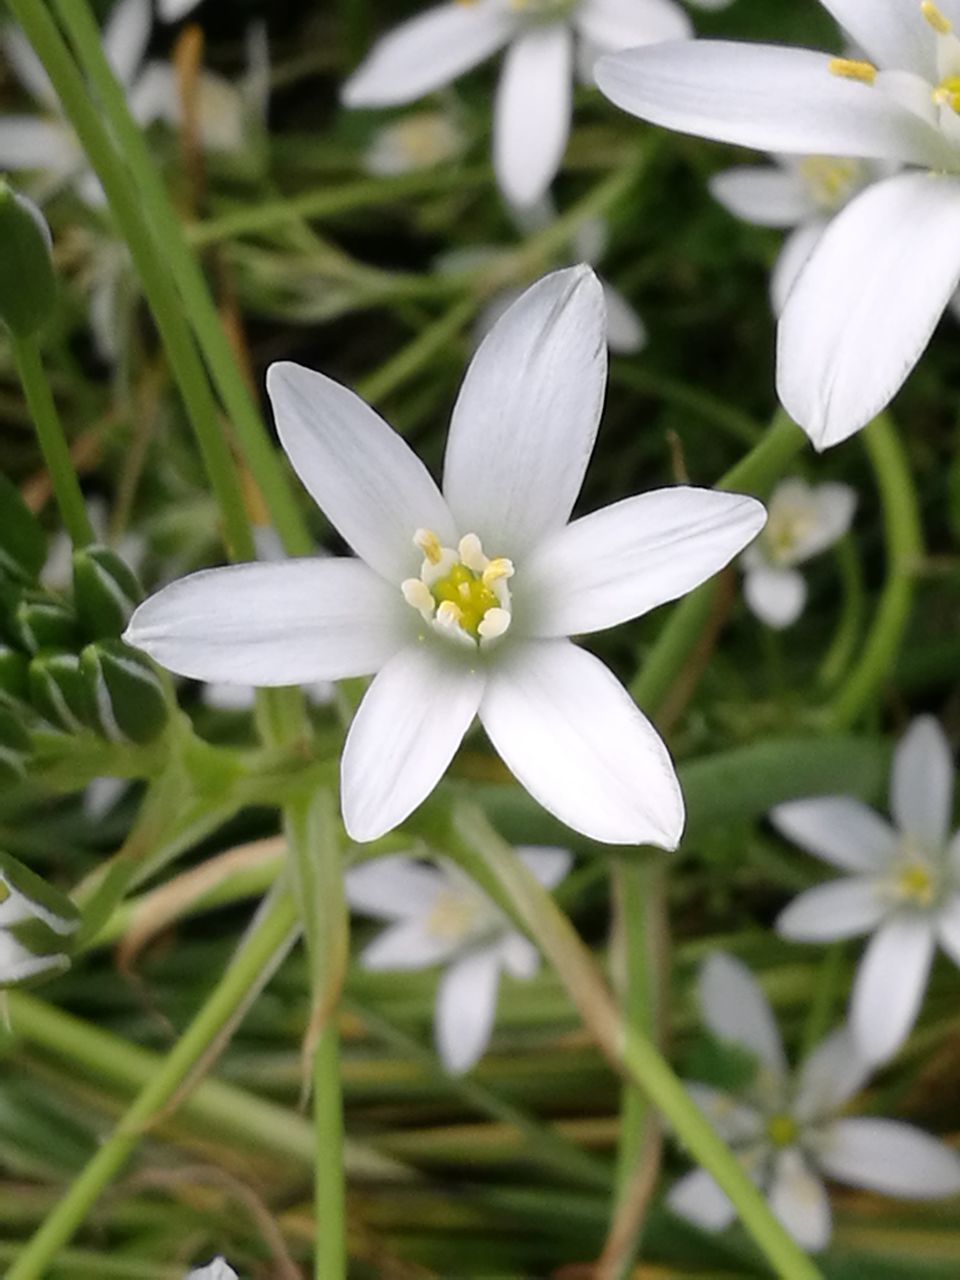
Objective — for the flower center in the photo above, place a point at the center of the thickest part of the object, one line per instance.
(915, 884)
(454, 917)
(786, 530)
(462, 593)
(831, 182)
(544, 10)
(426, 139)
(782, 1130)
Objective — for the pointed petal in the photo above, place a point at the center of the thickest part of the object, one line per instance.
(174, 10)
(571, 735)
(697, 1198)
(44, 145)
(775, 596)
(840, 909)
(368, 483)
(765, 96)
(889, 986)
(921, 784)
(550, 866)
(409, 725)
(839, 830)
(519, 956)
(892, 34)
(126, 36)
(611, 25)
(634, 555)
(408, 944)
(626, 332)
(428, 52)
(466, 1008)
(218, 1269)
(531, 120)
(767, 196)
(735, 1009)
(830, 1076)
(832, 507)
(392, 888)
(862, 310)
(793, 257)
(890, 1157)
(526, 419)
(28, 68)
(273, 624)
(800, 1201)
(948, 927)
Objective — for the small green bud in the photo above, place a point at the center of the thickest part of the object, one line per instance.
(124, 691)
(15, 748)
(36, 925)
(28, 286)
(13, 673)
(23, 547)
(105, 592)
(39, 622)
(58, 691)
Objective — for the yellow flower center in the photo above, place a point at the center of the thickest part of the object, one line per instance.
(787, 528)
(831, 182)
(544, 10)
(915, 883)
(453, 917)
(462, 593)
(947, 93)
(782, 1130)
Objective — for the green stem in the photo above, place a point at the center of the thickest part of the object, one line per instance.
(330, 1248)
(843, 646)
(53, 443)
(251, 966)
(376, 386)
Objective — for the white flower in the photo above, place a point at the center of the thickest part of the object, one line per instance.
(439, 916)
(26, 902)
(462, 602)
(868, 299)
(218, 1269)
(174, 10)
(418, 140)
(787, 1131)
(904, 886)
(802, 521)
(533, 106)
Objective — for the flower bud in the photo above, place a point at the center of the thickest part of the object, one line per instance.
(58, 691)
(124, 692)
(28, 286)
(105, 592)
(39, 622)
(23, 547)
(36, 924)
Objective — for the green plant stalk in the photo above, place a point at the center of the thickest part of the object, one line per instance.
(250, 967)
(124, 200)
(400, 368)
(53, 444)
(330, 1244)
(843, 646)
(261, 457)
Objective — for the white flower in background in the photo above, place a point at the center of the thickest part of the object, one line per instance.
(439, 917)
(863, 308)
(787, 1129)
(534, 99)
(903, 885)
(802, 521)
(218, 1269)
(418, 140)
(174, 10)
(462, 602)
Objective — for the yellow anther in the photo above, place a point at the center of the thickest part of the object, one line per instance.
(915, 884)
(782, 1130)
(497, 569)
(417, 593)
(947, 93)
(852, 69)
(449, 614)
(470, 551)
(429, 544)
(495, 623)
(936, 19)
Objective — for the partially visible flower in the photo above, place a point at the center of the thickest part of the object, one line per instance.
(439, 917)
(788, 1130)
(904, 886)
(463, 601)
(174, 10)
(218, 1269)
(418, 140)
(802, 521)
(35, 923)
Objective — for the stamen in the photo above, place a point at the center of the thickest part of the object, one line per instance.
(449, 614)
(429, 544)
(471, 554)
(852, 69)
(935, 18)
(497, 569)
(495, 623)
(417, 593)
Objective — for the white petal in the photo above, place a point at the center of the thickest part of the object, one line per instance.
(28, 68)
(392, 888)
(890, 1157)
(19, 964)
(32, 144)
(793, 257)
(219, 1268)
(228, 697)
(864, 307)
(735, 1009)
(889, 986)
(427, 52)
(892, 34)
(766, 196)
(632, 556)
(519, 956)
(408, 944)
(921, 784)
(832, 508)
(549, 865)
(829, 1076)
(611, 25)
(531, 121)
(948, 927)
(571, 735)
(126, 36)
(626, 332)
(527, 415)
(736, 1122)
(775, 596)
(697, 1198)
(174, 10)
(765, 96)
(800, 1201)
(274, 624)
(369, 484)
(840, 909)
(100, 796)
(466, 1006)
(155, 95)
(839, 830)
(410, 723)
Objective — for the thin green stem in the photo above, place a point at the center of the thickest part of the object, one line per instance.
(843, 646)
(330, 1246)
(376, 386)
(53, 444)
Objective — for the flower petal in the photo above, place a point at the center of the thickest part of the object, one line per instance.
(31, 144)
(889, 986)
(632, 556)
(862, 310)
(29, 70)
(626, 332)
(831, 507)
(793, 257)
(921, 784)
(775, 596)
(428, 52)
(273, 624)
(839, 830)
(890, 1157)
(800, 1201)
(126, 36)
(765, 96)
(368, 483)
(735, 1009)
(550, 866)
(840, 909)
(466, 1008)
(767, 196)
(892, 34)
(519, 956)
(174, 10)
(571, 735)
(531, 121)
(218, 1269)
(697, 1198)
(948, 927)
(611, 25)
(829, 1076)
(736, 1122)
(392, 888)
(409, 725)
(527, 415)
(408, 944)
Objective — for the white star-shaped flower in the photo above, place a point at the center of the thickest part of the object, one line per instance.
(218, 1269)
(865, 304)
(802, 521)
(462, 601)
(788, 1131)
(903, 886)
(439, 917)
(417, 141)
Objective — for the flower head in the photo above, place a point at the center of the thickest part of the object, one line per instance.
(438, 916)
(462, 602)
(418, 140)
(903, 886)
(787, 1129)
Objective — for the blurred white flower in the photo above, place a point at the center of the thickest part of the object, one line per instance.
(865, 304)
(787, 1129)
(174, 10)
(534, 100)
(904, 888)
(218, 1269)
(26, 903)
(802, 521)
(439, 917)
(418, 140)
(463, 602)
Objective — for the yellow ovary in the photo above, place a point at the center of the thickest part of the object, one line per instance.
(782, 1130)
(463, 593)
